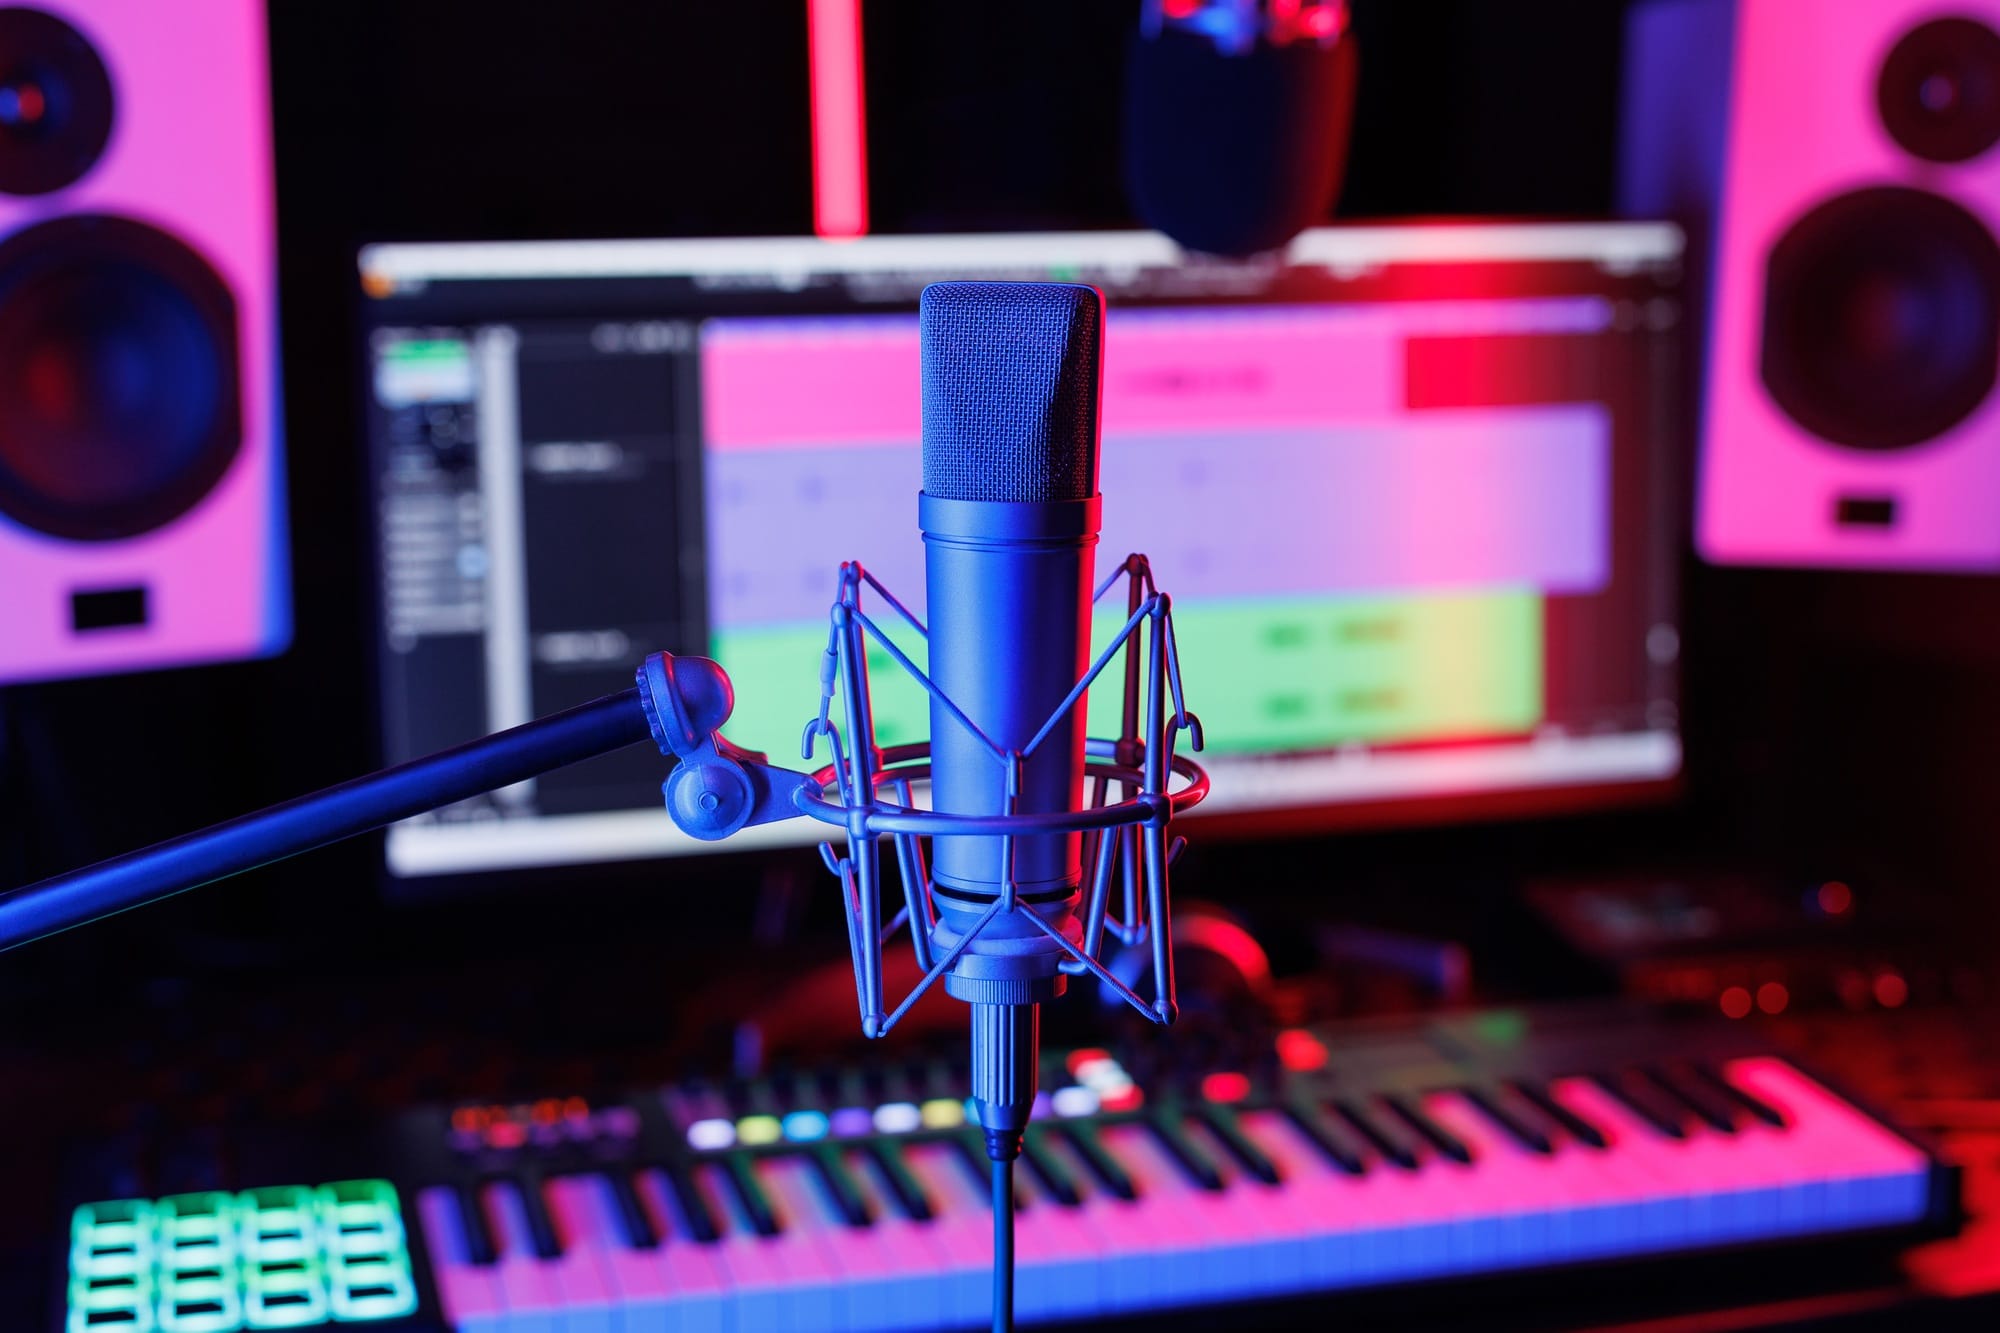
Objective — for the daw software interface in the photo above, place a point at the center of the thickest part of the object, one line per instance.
(1412, 488)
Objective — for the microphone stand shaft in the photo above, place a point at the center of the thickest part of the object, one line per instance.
(1003, 1246)
(187, 862)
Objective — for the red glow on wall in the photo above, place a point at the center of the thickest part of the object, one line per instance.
(1835, 898)
(1291, 20)
(1226, 1086)
(839, 118)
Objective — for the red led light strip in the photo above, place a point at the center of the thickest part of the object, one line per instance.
(839, 119)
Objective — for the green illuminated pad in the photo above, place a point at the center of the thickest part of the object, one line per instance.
(285, 1256)
(1265, 675)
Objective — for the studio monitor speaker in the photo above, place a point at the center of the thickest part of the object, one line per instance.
(141, 487)
(1840, 163)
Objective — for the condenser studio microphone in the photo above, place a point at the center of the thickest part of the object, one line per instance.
(1010, 515)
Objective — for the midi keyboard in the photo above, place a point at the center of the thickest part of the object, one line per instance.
(1344, 1159)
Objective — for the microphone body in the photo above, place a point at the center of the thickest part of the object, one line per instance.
(1008, 586)
(1010, 516)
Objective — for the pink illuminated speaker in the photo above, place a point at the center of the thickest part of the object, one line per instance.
(141, 512)
(1840, 160)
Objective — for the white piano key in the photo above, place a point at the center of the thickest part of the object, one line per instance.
(950, 1267)
(1629, 1203)
(1283, 1262)
(1406, 1225)
(1057, 1268)
(1331, 1205)
(1676, 1212)
(962, 1225)
(1214, 1259)
(875, 1292)
(469, 1294)
(784, 1281)
(1524, 1191)
(586, 1216)
(1883, 1177)
(702, 1297)
(1730, 1196)
(534, 1302)
(583, 1282)
(1130, 1238)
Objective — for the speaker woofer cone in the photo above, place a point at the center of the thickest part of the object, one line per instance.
(1939, 92)
(55, 103)
(1882, 318)
(119, 397)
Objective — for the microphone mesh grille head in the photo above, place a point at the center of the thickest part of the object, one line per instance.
(1010, 374)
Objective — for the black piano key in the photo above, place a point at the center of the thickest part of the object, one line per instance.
(541, 1227)
(1490, 1104)
(479, 1244)
(1048, 1172)
(968, 1149)
(1741, 1096)
(750, 1195)
(1429, 1130)
(1221, 1122)
(694, 1210)
(1543, 1100)
(902, 1186)
(1108, 1170)
(1708, 1108)
(1182, 1150)
(1377, 1133)
(1331, 1143)
(1643, 1102)
(841, 1188)
(633, 1224)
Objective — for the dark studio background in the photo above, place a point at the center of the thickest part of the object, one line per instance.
(1838, 724)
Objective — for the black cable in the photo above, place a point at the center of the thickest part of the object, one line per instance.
(1003, 1247)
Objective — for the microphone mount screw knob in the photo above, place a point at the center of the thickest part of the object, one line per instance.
(710, 797)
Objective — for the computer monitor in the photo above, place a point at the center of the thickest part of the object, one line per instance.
(1414, 489)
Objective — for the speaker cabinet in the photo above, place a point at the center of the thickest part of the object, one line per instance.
(1839, 159)
(141, 487)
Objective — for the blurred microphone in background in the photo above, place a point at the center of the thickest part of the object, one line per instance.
(1237, 117)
